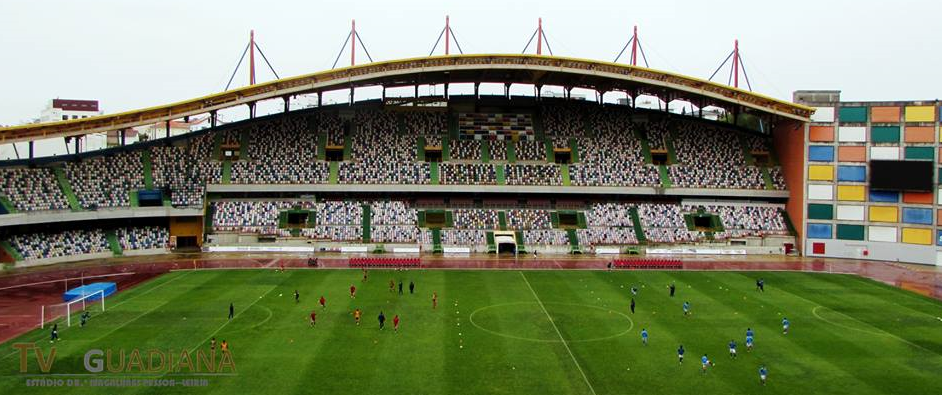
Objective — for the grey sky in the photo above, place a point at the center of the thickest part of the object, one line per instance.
(131, 54)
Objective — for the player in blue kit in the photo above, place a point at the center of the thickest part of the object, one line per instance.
(686, 308)
(785, 325)
(749, 337)
(644, 336)
(704, 363)
(680, 354)
(732, 349)
(763, 373)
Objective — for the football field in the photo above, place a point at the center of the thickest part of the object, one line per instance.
(502, 331)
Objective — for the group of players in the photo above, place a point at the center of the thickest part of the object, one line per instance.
(705, 362)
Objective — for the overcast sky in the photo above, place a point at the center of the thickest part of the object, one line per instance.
(136, 53)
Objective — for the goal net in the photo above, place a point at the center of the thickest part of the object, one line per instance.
(90, 301)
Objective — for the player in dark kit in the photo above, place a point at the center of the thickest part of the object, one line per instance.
(400, 287)
(673, 288)
(411, 287)
(382, 320)
(85, 317)
(54, 335)
(680, 354)
(632, 305)
(760, 285)
(231, 311)
(323, 302)
(353, 291)
(297, 296)
(212, 344)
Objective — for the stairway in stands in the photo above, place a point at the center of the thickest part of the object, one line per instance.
(66, 188)
(113, 243)
(636, 224)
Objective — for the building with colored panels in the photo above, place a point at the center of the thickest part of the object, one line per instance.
(844, 216)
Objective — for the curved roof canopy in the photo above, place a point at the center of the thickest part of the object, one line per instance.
(523, 69)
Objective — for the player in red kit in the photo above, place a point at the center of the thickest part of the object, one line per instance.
(313, 318)
(353, 291)
(396, 323)
(323, 302)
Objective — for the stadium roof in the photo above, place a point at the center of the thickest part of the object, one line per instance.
(522, 69)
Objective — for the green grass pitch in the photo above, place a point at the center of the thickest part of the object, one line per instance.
(517, 332)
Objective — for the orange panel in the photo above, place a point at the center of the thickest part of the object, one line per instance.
(822, 133)
(920, 134)
(917, 197)
(884, 114)
(850, 153)
(938, 217)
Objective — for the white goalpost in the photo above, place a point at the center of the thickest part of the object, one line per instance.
(80, 304)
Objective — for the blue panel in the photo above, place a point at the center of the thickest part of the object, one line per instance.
(884, 196)
(913, 215)
(105, 288)
(820, 153)
(938, 237)
(819, 231)
(852, 173)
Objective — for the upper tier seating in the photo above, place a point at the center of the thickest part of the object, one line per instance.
(468, 174)
(32, 189)
(106, 181)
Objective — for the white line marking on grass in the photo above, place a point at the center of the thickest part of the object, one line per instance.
(224, 324)
(565, 344)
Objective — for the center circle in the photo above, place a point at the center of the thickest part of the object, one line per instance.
(530, 321)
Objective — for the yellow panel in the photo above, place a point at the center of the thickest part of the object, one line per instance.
(884, 214)
(917, 236)
(854, 193)
(920, 114)
(821, 173)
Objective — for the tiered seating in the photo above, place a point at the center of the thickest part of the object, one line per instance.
(384, 262)
(459, 237)
(393, 222)
(205, 170)
(657, 134)
(381, 156)
(330, 125)
(608, 214)
(744, 221)
(664, 223)
(608, 223)
(545, 237)
(487, 126)
(283, 151)
(53, 245)
(498, 150)
(648, 264)
(468, 174)
(425, 122)
(32, 189)
(252, 216)
(334, 233)
(530, 150)
(711, 157)
(143, 238)
(607, 235)
(106, 181)
(465, 150)
(529, 219)
(563, 121)
(614, 156)
(532, 174)
(778, 178)
(475, 219)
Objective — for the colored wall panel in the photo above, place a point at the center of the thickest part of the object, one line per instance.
(823, 114)
(912, 215)
(884, 134)
(852, 173)
(884, 196)
(917, 197)
(852, 134)
(881, 233)
(823, 134)
(920, 114)
(884, 214)
(920, 153)
(938, 217)
(821, 153)
(850, 232)
(919, 134)
(885, 114)
(852, 114)
(917, 236)
(823, 211)
(821, 173)
(820, 192)
(819, 231)
(938, 238)
(851, 153)
(850, 213)
(884, 153)
(853, 193)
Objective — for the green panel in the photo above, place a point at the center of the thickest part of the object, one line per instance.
(437, 241)
(636, 224)
(113, 243)
(322, 146)
(133, 198)
(574, 146)
(227, 171)
(550, 154)
(767, 178)
(420, 218)
(347, 147)
(671, 152)
(294, 232)
(333, 175)
(148, 170)
(501, 173)
(665, 176)
(538, 124)
(401, 124)
(449, 219)
(884, 134)
(788, 222)
(512, 151)
(208, 215)
(645, 148)
(10, 250)
(453, 126)
(820, 211)
(283, 219)
(581, 221)
(521, 247)
(574, 247)
(434, 175)
(217, 146)
(446, 149)
(420, 149)
(746, 151)
(852, 114)
(502, 220)
(564, 172)
(554, 218)
(244, 145)
(66, 188)
(920, 153)
(485, 151)
(367, 231)
(850, 232)
(7, 205)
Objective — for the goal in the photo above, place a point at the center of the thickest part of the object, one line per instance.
(78, 305)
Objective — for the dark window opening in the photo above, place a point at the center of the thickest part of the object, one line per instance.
(335, 154)
(433, 155)
(562, 157)
(660, 158)
(435, 219)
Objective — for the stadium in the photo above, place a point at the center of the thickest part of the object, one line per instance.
(424, 234)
